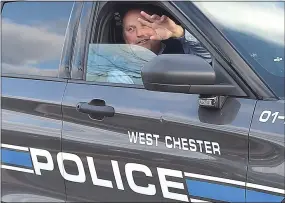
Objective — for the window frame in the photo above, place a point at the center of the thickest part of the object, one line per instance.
(66, 51)
(200, 34)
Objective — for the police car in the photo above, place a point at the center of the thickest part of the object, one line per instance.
(185, 130)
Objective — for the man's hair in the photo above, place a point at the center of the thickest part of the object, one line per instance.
(149, 9)
(124, 8)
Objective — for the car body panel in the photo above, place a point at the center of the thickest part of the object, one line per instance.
(267, 151)
(30, 119)
(108, 139)
(142, 111)
(31, 99)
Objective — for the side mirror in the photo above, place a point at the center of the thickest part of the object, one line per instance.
(180, 73)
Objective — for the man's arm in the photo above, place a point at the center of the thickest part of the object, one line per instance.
(193, 46)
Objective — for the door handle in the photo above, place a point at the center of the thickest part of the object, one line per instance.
(95, 110)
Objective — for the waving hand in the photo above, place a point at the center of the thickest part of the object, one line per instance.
(163, 26)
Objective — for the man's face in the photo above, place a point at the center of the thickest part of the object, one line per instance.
(136, 33)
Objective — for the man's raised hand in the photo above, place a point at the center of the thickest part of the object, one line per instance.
(163, 26)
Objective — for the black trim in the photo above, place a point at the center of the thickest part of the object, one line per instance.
(82, 41)
(69, 41)
(3, 2)
(33, 77)
(235, 64)
(75, 81)
(91, 30)
(2, 5)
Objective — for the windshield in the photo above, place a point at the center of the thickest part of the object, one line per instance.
(256, 30)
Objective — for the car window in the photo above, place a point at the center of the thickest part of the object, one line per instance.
(117, 63)
(257, 34)
(33, 36)
(121, 62)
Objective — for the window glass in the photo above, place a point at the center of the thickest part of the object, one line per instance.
(32, 37)
(256, 30)
(117, 63)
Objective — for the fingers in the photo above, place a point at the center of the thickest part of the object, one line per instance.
(162, 18)
(152, 18)
(146, 16)
(155, 37)
(155, 17)
(144, 22)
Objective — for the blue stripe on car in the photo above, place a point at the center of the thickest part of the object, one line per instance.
(215, 191)
(16, 158)
(255, 196)
(228, 193)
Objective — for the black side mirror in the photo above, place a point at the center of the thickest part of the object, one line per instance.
(180, 73)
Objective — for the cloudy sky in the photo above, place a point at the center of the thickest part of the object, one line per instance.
(32, 36)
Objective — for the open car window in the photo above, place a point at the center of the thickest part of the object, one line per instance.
(110, 60)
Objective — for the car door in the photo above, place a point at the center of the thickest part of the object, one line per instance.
(122, 142)
(266, 153)
(33, 34)
(99, 148)
(265, 54)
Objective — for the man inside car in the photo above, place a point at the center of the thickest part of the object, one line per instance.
(160, 34)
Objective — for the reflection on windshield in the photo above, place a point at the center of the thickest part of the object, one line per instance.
(264, 20)
(256, 29)
(31, 40)
(117, 63)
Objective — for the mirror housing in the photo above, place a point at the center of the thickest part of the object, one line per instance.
(182, 73)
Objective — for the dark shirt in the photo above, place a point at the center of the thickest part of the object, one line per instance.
(183, 46)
